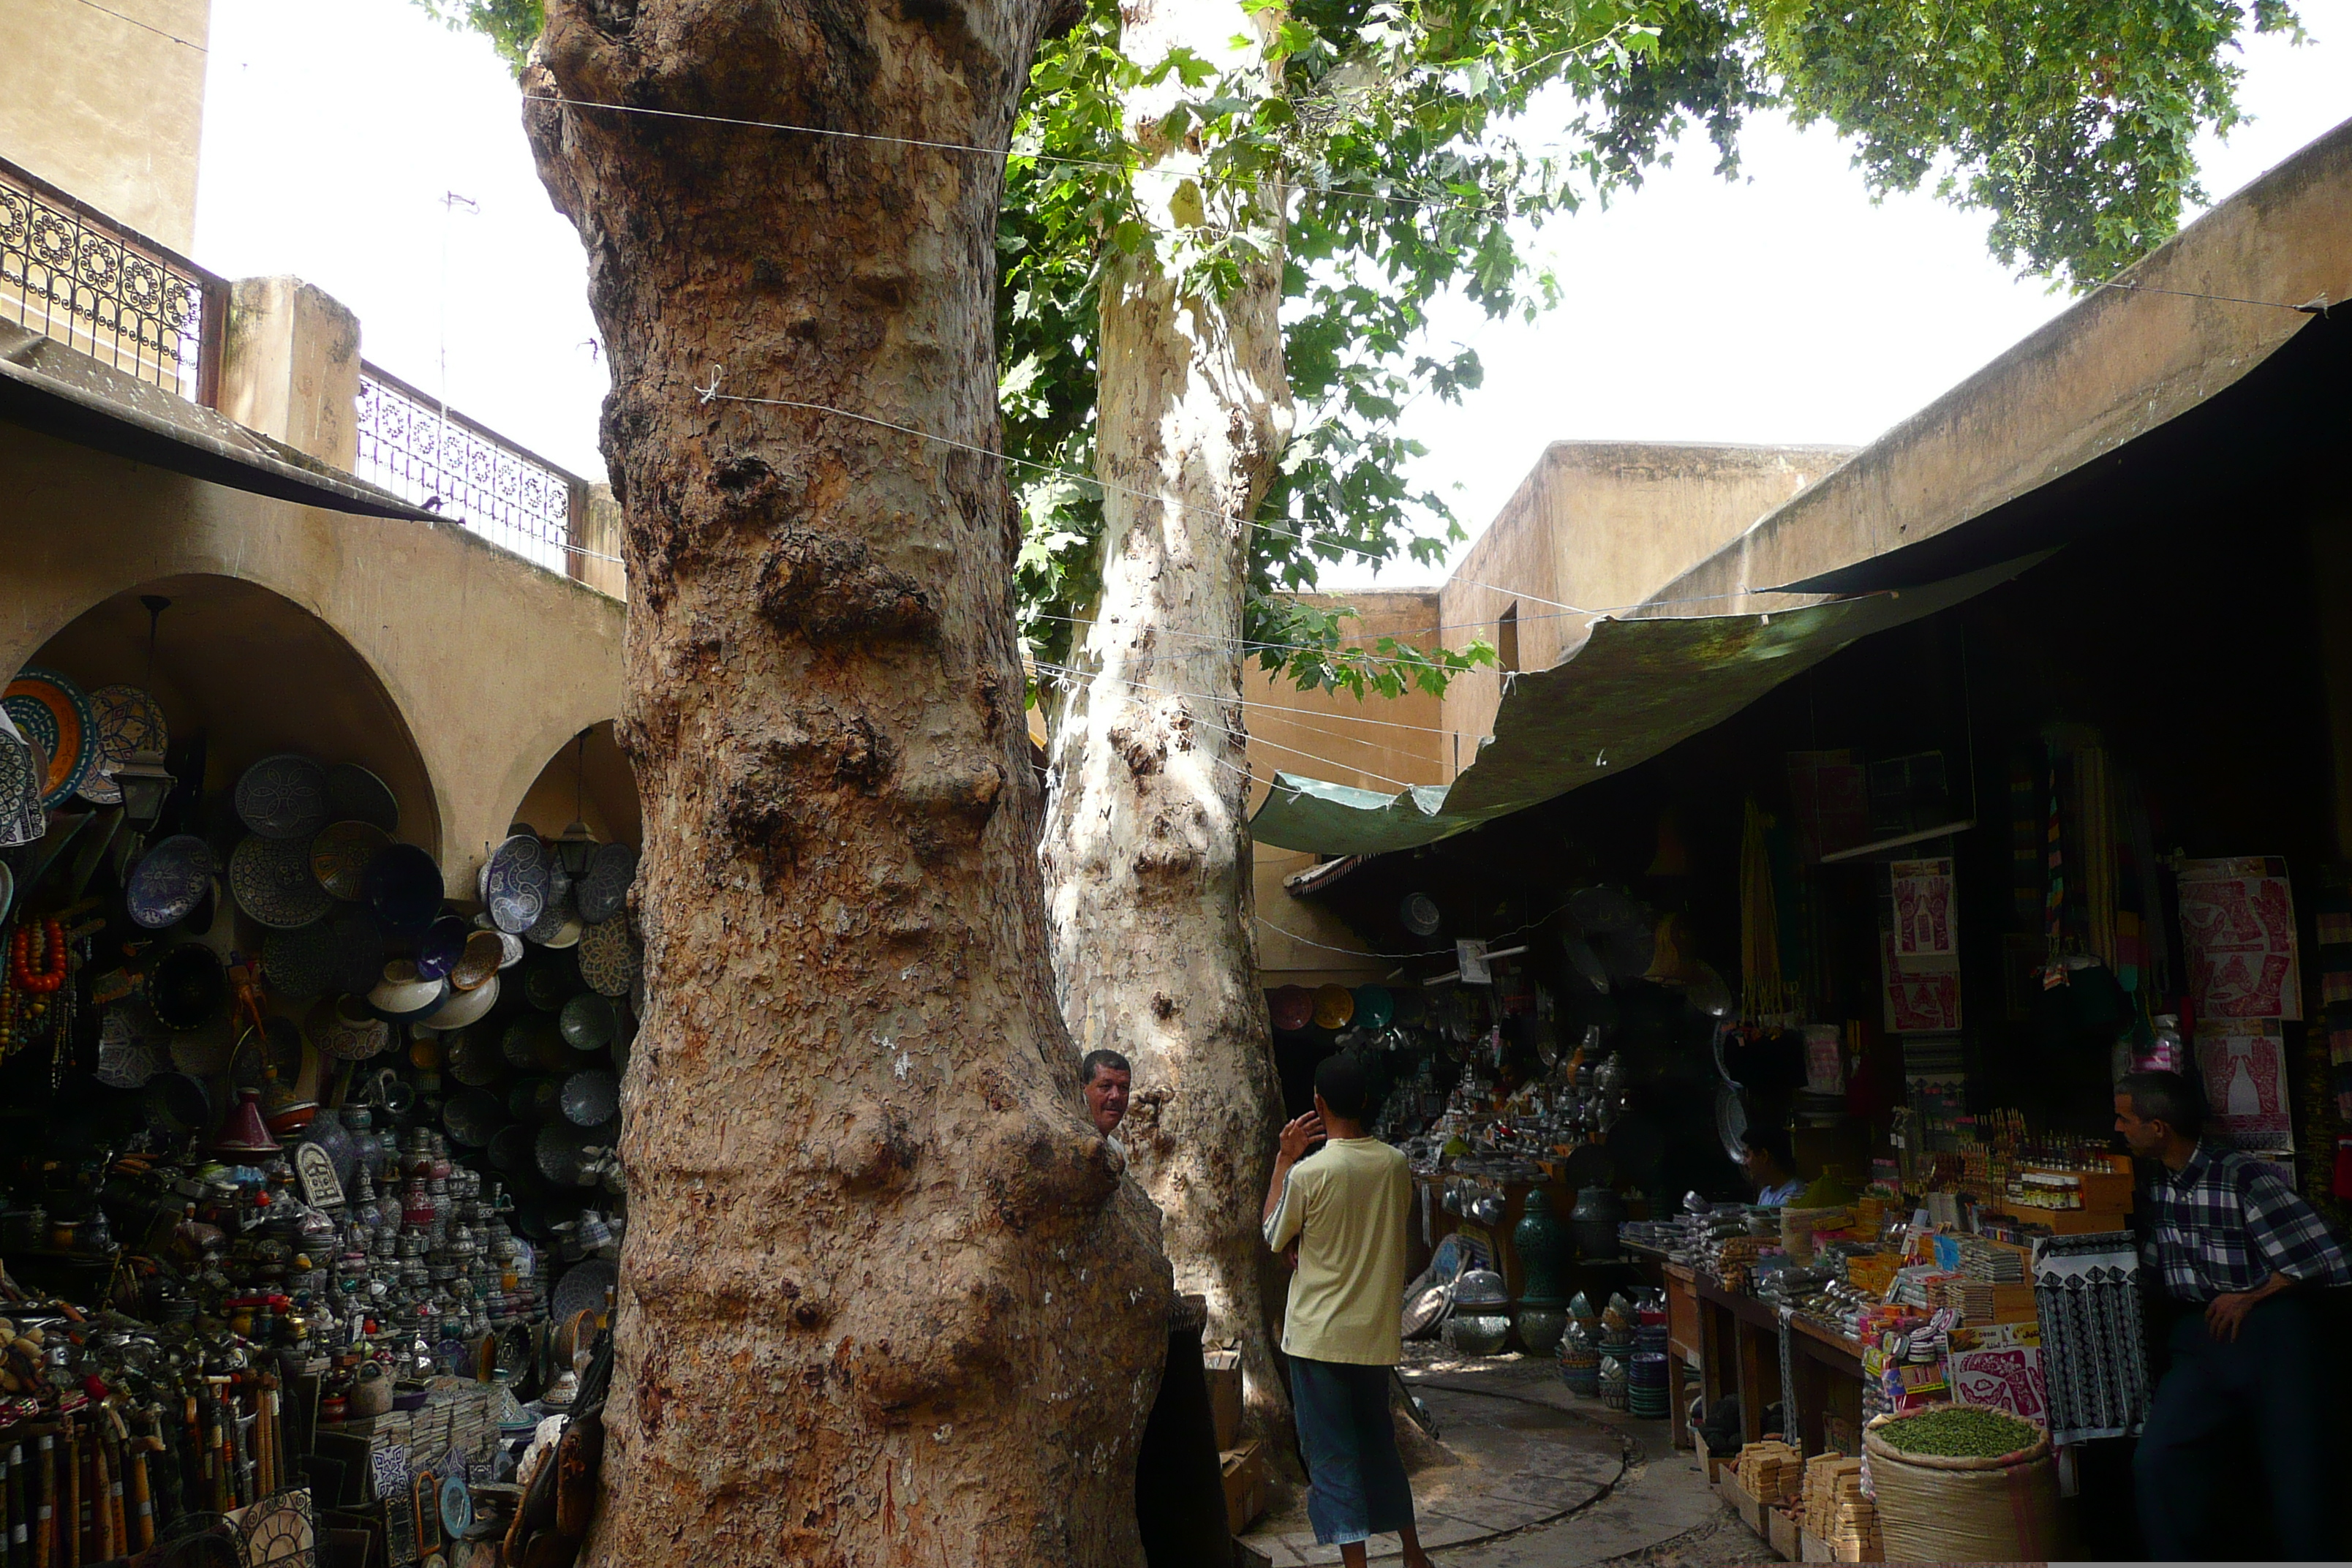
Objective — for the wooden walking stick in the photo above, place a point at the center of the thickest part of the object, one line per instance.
(70, 1525)
(45, 1528)
(142, 1502)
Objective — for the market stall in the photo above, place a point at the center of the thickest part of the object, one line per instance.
(309, 1208)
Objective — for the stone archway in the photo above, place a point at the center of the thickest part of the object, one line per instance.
(586, 780)
(252, 673)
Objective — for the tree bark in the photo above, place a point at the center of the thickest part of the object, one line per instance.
(884, 1297)
(1147, 852)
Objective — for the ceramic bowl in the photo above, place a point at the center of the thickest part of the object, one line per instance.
(405, 996)
(472, 1057)
(587, 1023)
(271, 880)
(463, 1007)
(441, 946)
(341, 854)
(603, 892)
(403, 889)
(169, 881)
(357, 794)
(474, 1118)
(482, 957)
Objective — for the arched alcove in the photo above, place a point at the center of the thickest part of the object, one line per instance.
(587, 780)
(251, 673)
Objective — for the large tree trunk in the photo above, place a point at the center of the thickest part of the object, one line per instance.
(1147, 852)
(883, 1297)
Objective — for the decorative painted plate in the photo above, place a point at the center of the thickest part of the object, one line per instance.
(284, 797)
(521, 876)
(277, 1533)
(52, 713)
(592, 1097)
(474, 1117)
(587, 1023)
(584, 1287)
(403, 889)
(474, 1058)
(608, 960)
(22, 821)
(441, 946)
(550, 979)
(301, 963)
(271, 880)
(132, 1044)
(7, 890)
(186, 987)
(169, 881)
(357, 794)
(128, 720)
(341, 854)
(359, 949)
(604, 891)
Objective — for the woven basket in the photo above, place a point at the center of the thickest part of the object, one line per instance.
(1935, 1508)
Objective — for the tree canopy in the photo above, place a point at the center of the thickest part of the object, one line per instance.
(1410, 148)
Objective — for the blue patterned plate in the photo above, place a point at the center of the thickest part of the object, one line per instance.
(272, 882)
(52, 713)
(603, 892)
(357, 794)
(284, 797)
(517, 881)
(22, 820)
(128, 722)
(169, 881)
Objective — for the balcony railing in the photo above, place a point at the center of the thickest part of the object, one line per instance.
(71, 272)
(413, 445)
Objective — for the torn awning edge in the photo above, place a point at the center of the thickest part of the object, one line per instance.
(89, 419)
(1634, 689)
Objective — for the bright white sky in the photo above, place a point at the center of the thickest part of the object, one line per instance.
(1784, 308)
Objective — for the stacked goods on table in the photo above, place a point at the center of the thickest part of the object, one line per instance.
(1735, 1257)
(1836, 1511)
(1961, 1484)
(1769, 1471)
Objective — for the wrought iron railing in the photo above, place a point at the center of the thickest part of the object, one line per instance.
(415, 447)
(71, 272)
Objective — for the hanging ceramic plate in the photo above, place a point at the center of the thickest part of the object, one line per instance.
(550, 979)
(360, 948)
(403, 889)
(441, 946)
(7, 890)
(591, 1096)
(186, 986)
(132, 1044)
(205, 1051)
(536, 1100)
(608, 958)
(271, 880)
(21, 818)
(472, 1057)
(474, 1118)
(52, 713)
(604, 891)
(300, 964)
(587, 1023)
(534, 1044)
(284, 797)
(356, 795)
(517, 882)
(512, 1150)
(584, 1286)
(561, 1150)
(341, 854)
(480, 961)
(128, 720)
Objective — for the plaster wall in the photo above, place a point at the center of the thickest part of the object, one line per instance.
(107, 109)
(2200, 311)
(493, 664)
(1600, 525)
(1377, 742)
(290, 367)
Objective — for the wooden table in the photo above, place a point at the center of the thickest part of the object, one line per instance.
(1739, 1352)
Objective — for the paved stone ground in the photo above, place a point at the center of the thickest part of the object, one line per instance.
(1532, 1476)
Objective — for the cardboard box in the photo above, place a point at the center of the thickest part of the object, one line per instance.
(1245, 1485)
(1223, 1369)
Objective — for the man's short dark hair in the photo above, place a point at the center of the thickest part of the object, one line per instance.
(1773, 1142)
(1097, 1060)
(2170, 1098)
(1341, 1079)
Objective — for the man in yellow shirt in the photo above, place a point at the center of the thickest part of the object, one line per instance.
(1346, 1207)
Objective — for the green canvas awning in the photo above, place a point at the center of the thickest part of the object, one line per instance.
(1634, 689)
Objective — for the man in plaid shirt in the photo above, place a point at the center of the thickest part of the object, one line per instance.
(2229, 1241)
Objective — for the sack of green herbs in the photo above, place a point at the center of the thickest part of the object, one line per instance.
(1957, 1483)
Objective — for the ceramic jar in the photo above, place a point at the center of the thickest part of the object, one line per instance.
(1599, 1212)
